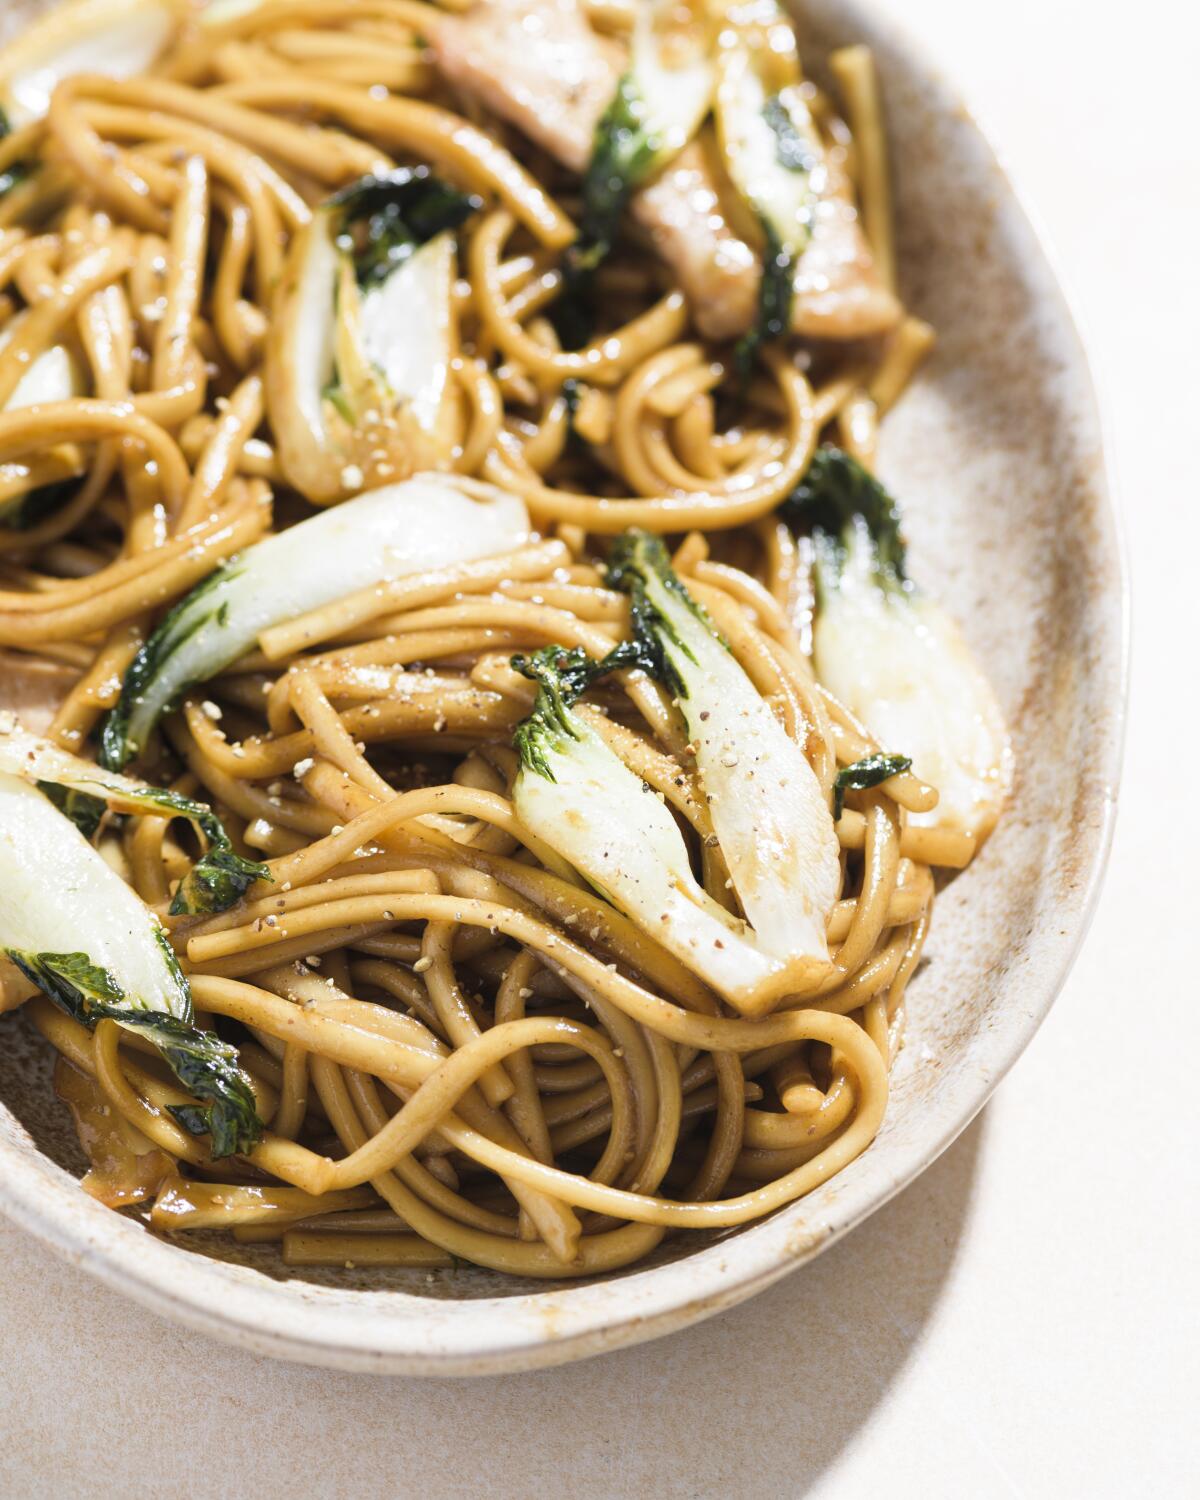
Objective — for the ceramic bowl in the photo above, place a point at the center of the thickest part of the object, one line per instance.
(997, 456)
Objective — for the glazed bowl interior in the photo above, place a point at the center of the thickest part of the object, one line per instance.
(996, 456)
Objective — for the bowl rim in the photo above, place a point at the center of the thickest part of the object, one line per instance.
(493, 1335)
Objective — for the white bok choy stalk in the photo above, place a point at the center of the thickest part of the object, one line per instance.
(57, 374)
(576, 793)
(768, 810)
(115, 38)
(83, 791)
(773, 154)
(892, 655)
(78, 933)
(363, 335)
(429, 521)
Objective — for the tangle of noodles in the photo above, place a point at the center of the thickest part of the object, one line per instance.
(457, 1048)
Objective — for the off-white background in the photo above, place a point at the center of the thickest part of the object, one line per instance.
(1023, 1320)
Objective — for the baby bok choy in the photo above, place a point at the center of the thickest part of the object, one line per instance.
(767, 806)
(83, 792)
(774, 157)
(115, 38)
(891, 654)
(660, 103)
(579, 796)
(427, 522)
(78, 933)
(358, 362)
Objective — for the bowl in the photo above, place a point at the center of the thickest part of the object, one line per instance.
(997, 455)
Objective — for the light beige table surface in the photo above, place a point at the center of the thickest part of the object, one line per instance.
(1024, 1320)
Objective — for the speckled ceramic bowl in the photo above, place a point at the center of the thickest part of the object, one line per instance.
(998, 457)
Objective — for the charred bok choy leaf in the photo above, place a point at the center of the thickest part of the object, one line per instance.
(81, 935)
(774, 157)
(891, 654)
(363, 334)
(574, 792)
(83, 791)
(427, 522)
(115, 38)
(659, 104)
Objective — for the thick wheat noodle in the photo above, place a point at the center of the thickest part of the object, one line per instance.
(436, 1098)
(414, 593)
(233, 318)
(508, 1064)
(268, 195)
(123, 589)
(566, 902)
(63, 522)
(444, 138)
(86, 421)
(554, 1221)
(741, 500)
